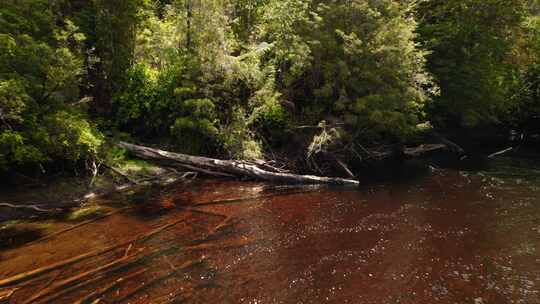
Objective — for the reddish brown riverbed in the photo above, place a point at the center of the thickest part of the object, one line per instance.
(450, 237)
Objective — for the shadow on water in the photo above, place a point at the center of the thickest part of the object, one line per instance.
(396, 172)
(18, 235)
(412, 171)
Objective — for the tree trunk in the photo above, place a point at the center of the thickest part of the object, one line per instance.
(231, 167)
(189, 13)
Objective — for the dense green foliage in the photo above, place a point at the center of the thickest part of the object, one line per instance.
(354, 62)
(474, 52)
(527, 115)
(485, 57)
(40, 70)
(236, 77)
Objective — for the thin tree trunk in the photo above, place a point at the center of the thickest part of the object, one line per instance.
(189, 13)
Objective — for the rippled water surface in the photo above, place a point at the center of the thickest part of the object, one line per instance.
(448, 237)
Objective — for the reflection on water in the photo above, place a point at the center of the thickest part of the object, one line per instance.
(451, 237)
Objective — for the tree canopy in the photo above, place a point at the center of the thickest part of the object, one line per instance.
(237, 77)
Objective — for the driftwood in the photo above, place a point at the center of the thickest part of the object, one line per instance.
(61, 288)
(345, 168)
(33, 273)
(121, 174)
(424, 149)
(499, 153)
(157, 280)
(410, 152)
(100, 292)
(231, 167)
(5, 295)
(29, 207)
(69, 281)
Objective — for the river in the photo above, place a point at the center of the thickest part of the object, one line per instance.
(445, 236)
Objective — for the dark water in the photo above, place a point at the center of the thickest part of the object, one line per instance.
(446, 237)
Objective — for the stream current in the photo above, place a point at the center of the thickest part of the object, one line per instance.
(448, 236)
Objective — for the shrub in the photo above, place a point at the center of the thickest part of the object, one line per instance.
(237, 139)
(40, 73)
(70, 136)
(195, 131)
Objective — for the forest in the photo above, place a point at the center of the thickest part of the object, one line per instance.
(269, 151)
(306, 82)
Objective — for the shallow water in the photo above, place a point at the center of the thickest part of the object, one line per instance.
(447, 237)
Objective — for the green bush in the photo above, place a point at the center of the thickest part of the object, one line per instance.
(15, 150)
(195, 131)
(237, 139)
(71, 136)
(271, 121)
(356, 63)
(210, 108)
(167, 105)
(40, 75)
(474, 48)
(59, 136)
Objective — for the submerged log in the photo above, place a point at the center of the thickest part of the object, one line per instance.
(54, 266)
(231, 167)
(5, 295)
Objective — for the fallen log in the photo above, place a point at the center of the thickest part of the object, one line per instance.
(231, 167)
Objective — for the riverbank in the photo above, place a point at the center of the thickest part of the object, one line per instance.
(73, 197)
(56, 189)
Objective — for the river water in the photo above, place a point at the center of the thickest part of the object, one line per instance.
(447, 236)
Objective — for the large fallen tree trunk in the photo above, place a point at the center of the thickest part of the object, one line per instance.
(230, 167)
